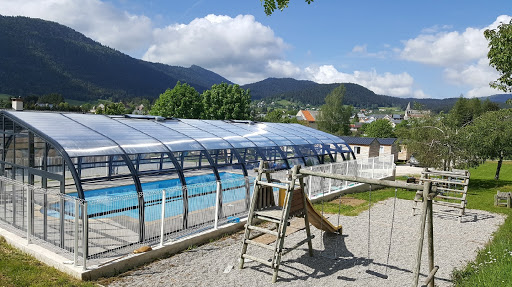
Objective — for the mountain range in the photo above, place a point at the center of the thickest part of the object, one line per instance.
(39, 57)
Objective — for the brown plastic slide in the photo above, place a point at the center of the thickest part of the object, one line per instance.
(315, 218)
(319, 221)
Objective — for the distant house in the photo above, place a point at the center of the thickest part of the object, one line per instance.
(388, 146)
(371, 147)
(403, 154)
(354, 127)
(307, 115)
(410, 113)
(363, 147)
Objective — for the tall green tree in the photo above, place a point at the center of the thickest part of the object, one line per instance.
(380, 128)
(271, 5)
(490, 136)
(334, 118)
(223, 102)
(183, 101)
(500, 55)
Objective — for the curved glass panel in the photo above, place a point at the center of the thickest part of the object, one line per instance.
(236, 140)
(174, 140)
(131, 141)
(206, 139)
(75, 138)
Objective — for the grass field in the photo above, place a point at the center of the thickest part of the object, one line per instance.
(492, 267)
(20, 269)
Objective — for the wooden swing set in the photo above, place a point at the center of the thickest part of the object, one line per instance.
(263, 208)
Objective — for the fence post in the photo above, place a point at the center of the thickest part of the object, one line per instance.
(330, 179)
(309, 184)
(85, 235)
(29, 213)
(346, 173)
(162, 220)
(217, 194)
(75, 247)
(373, 167)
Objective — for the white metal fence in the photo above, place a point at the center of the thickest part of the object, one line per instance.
(373, 167)
(114, 225)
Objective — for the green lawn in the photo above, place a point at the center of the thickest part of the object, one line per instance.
(20, 269)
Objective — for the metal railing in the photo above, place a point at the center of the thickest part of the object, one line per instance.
(110, 226)
(373, 167)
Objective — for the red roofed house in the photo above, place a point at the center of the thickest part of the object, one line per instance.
(308, 116)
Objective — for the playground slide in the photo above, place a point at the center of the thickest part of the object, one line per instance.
(320, 222)
(315, 218)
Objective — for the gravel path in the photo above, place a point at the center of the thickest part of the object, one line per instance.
(337, 260)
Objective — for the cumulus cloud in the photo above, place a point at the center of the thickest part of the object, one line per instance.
(397, 85)
(98, 20)
(462, 55)
(239, 48)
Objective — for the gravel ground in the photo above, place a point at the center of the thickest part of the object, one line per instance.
(337, 260)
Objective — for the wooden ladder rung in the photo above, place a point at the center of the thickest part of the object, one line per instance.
(281, 181)
(264, 183)
(269, 219)
(446, 181)
(449, 197)
(255, 243)
(263, 230)
(449, 204)
(262, 261)
(450, 189)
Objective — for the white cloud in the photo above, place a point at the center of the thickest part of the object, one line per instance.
(239, 48)
(449, 48)
(359, 49)
(462, 55)
(98, 20)
(397, 85)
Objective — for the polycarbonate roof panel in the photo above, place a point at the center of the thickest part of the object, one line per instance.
(75, 139)
(299, 130)
(233, 139)
(85, 135)
(291, 135)
(206, 139)
(130, 140)
(174, 140)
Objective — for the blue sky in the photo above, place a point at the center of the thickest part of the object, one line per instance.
(398, 48)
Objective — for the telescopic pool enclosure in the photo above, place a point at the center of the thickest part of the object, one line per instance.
(56, 163)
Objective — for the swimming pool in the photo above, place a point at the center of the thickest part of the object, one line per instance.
(123, 200)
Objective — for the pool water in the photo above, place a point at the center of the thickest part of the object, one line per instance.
(123, 201)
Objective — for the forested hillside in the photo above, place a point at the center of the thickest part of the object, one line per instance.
(40, 57)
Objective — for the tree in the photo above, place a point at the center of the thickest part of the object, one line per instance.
(183, 101)
(271, 5)
(275, 116)
(490, 136)
(380, 128)
(112, 109)
(334, 118)
(435, 142)
(224, 102)
(500, 53)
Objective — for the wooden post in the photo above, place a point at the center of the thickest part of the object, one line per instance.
(430, 235)
(426, 190)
